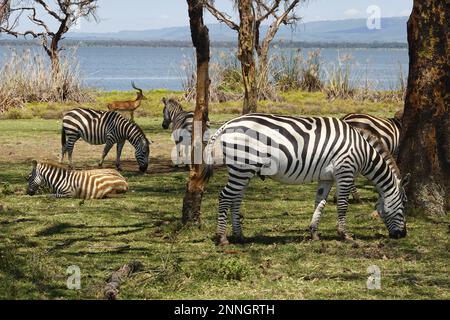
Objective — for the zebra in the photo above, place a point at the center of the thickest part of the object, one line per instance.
(386, 129)
(103, 127)
(294, 150)
(181, 128)
(84, 184)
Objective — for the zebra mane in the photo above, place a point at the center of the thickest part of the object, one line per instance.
(375, 141)
(173, 104)
(54, 164)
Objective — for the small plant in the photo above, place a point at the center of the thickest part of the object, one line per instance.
(233, 269)
(338, 79)
(6, 189)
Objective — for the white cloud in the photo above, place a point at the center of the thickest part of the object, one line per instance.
(405, 12)
(351, 12)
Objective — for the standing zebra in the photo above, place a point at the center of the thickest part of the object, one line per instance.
(181, 128)
(86, 184)
(103, 127)
(294, 150)
(386, 129)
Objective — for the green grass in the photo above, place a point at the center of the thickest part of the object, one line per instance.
(294, 102)
(40, 237)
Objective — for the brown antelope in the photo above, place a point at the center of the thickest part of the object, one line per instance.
(129, 105)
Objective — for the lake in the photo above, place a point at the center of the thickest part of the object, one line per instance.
(113, 68)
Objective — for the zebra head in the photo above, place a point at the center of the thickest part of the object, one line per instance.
(166, 113)
(392, 210)
(35, 179)
(171, 108)
(142, 153)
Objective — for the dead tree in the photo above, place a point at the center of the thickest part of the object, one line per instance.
(425, 141)
(64, 13)
(4, 10)
(200, 39)
(252, 13)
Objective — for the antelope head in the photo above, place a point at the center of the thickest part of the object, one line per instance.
(140, 95)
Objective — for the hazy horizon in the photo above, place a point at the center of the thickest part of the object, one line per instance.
(139, 15)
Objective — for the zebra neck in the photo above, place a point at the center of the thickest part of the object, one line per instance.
(54, 176)
(382, 175)
(133, 134)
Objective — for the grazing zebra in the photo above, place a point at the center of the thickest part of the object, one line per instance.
(294, 150)
(181, 128)
(103, 127)
(386, 129)
(85, 184)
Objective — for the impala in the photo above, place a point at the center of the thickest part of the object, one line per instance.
(130, 105)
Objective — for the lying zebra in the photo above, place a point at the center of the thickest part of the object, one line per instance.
(84, 184)
(103, 127)
(181, 129)
(294, 150)
(386, 129)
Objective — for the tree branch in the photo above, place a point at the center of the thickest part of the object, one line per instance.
(221, 16)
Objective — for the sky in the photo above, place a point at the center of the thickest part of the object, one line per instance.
(118, 15)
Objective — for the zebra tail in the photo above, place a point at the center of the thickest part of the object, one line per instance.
(63, 137)
(208, 171)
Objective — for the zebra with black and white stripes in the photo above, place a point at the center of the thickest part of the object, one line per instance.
(103, 127)
(182, 122)
(388, 130)
(84, 184)
(295, 150)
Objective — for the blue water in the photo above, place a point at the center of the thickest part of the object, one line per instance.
(113, 68)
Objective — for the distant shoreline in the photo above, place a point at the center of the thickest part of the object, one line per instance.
(214, 44)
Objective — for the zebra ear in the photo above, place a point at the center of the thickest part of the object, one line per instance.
(405, 180)
(164, 100)
(34, 163)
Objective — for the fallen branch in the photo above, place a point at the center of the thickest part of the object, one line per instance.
(111, 289)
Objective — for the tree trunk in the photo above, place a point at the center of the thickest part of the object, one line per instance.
(425, 141)
(200, 39)
(246, 55)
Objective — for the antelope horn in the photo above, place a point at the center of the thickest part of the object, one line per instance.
(136, 88)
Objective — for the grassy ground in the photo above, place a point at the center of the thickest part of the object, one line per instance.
(40, 237)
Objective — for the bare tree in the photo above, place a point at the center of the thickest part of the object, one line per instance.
(64, 13)
(252, 13)
(200, 39)
(4, 10)
(425, 142)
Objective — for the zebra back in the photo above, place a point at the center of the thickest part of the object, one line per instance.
(386, 129)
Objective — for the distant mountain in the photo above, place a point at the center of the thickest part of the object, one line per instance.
(353, 30)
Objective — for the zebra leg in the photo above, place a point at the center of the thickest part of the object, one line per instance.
(69, 148)
(344, 186)
(231, 197)
(119, 153)
(109, 144)
(323, 190)
(355, 194)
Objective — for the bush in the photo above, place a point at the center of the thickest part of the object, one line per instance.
(27, 77)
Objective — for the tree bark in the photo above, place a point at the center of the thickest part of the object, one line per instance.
(246, 55)
(200, 39)
(425, 141)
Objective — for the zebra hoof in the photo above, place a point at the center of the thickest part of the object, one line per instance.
(315, 236)
(240, 239)
(221, 240)
(345, 236)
